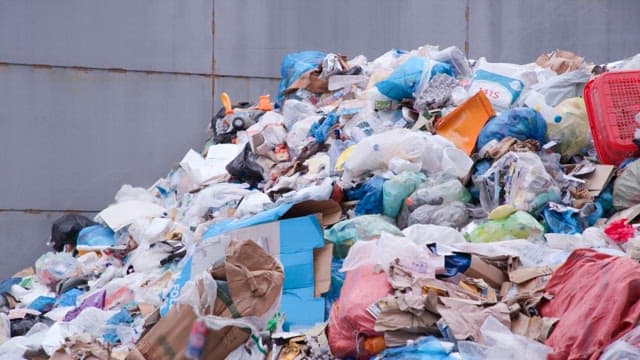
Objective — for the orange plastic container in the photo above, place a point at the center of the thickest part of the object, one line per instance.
(463, 125)
(612, 101)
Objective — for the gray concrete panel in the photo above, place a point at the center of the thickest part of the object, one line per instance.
(173, 35)
(244, 89)
(24, 237)
(520, 30)
(251, 37)
(69, 139)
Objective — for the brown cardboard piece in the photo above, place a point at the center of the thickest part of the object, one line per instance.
(598, 180)
(169, 338)
(254, 282)
(482, 270)
(322, 269)
(268, 236)
(523, 275)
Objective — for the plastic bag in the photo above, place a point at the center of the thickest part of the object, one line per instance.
(428, 193)
(404, 80)
(500, 343)
(345, 233)
(519, 225)
(453, 214)
(388, 249)
(627, 347)
(522, 178)
(457, 59)
(375, 152)
(562, 87)
(426, 348)
(65, 229)
(53, 267)
(571, 128)
(296, 64)
(349, 321)
(370, 196)
(626, 189)
(518, 123)
(96, 236)
(619, 231)
(295, 110)
(253, 203)
(424, 234)
(245, 167)
(502, 83)
(396, 190)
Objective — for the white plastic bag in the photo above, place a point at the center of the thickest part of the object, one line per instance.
(500, 343)
(387, 249)
(502, 83)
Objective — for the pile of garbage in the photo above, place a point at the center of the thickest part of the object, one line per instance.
(420, 205)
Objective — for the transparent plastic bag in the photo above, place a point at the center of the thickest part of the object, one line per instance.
(385, 250)
(627, 347)
(366, 227)
(453, 214)
(374, 153)
(500, 343)
(295, 110)
(571, 128)
(428, 193)
(423, 234)
(626, 189)
(53, 267)
(522, 178)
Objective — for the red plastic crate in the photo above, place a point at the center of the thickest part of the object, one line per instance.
(612, 101)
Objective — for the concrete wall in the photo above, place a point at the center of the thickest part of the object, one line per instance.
(95, 94)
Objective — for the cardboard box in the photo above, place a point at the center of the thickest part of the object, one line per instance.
(489, 273)
(293, 234)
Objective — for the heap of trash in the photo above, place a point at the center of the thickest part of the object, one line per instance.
(419, 205)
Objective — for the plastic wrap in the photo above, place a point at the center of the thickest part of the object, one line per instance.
(519, 225)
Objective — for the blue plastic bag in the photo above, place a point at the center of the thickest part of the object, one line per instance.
(296, 64)
(405, 79)
(96, 235)
(520, 123)
(337, 279)
(565, 222)
(370, 196)
(320, 131)
(427, 348)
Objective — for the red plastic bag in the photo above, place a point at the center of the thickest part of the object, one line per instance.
(349, 321)
(619, 231)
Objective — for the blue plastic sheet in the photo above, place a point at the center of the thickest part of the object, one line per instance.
(296, 64)
(42, 304)
(69, 297)
(519, 123)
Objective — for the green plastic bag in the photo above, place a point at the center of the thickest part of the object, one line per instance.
(365, 227)
(397, 189)
(519, 225)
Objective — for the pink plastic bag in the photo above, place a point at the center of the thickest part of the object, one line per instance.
(350, 321)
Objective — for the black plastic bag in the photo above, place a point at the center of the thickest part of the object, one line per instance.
(245, 168)
(65, 229)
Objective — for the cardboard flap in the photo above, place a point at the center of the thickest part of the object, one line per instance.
(599, 179)
(322, 269)
(522, 275)
(329, 209)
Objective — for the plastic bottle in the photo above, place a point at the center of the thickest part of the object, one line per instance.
(197, 340)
